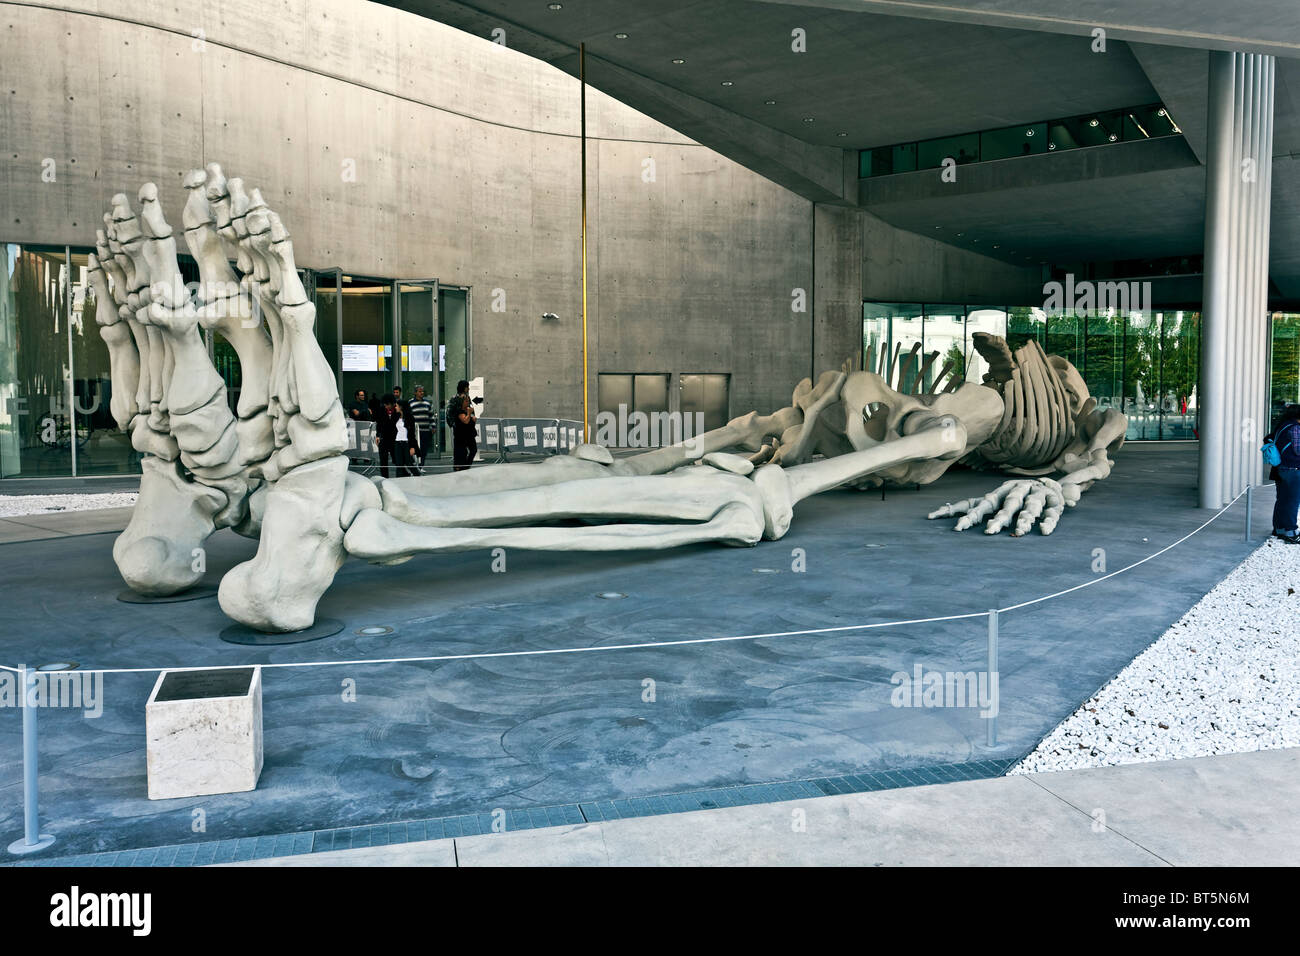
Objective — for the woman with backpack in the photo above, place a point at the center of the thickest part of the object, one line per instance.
(1285, 437)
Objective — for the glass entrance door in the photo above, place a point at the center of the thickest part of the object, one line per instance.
(417, 312)
(366, 337)
(453, 351)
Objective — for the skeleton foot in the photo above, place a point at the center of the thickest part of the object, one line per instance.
(157, 552)
(301, 549)
(1027, 500)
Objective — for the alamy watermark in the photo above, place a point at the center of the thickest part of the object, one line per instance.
(924, 688)
(635, 429)
(62, 689)
(1073, 297)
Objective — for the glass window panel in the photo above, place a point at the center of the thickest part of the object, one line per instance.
(101, 448)
(904, 323)
(453, 342)
(1144, 400)
(417, 304)
(992, 321)
(965, 149)
(945, 333)
(1103, 367)
(367, 335)
(1024, 325)
(1180, 362)
(1284, 369)
(902, 159)
(876, 341)
(326, 297)
(35, 431)
(1013, 141)
(1065, 338)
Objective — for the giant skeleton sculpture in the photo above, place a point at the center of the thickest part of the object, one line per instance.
(274, 468)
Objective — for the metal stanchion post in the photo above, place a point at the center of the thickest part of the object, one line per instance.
(995, 689)
(1250, 495)
(33, 839)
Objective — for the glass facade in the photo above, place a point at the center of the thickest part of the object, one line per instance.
(1029, 139)
(54, 381)
(55, 386)
(1144, 363)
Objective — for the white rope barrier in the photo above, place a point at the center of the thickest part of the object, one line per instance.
(486, 655)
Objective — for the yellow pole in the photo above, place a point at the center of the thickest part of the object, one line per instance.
(582, 76)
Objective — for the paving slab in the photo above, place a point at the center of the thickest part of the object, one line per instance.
(1228, 810)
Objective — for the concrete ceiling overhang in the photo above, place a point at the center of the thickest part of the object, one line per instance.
(882, 72)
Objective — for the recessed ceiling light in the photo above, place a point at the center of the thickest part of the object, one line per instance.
(769, 102)
(555, 6)
(995, 245)
(679, 61)
(1161, 113)
(728, 83)
(1092, 122)
(1051, 146)
(1113, 137)
(841, 134)
(1029, 132)
(620, 36)
(808, 119)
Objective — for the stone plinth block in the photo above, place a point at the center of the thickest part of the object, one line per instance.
(204, 732)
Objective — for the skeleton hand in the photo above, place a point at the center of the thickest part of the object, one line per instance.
(1034, 499)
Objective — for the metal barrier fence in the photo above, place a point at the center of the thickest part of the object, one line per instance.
(523, 436)
(528, 436)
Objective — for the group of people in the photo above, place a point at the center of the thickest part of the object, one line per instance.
(404, 429)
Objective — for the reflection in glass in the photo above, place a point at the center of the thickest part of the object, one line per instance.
(945, 333)
(35, 429)
(101, 448)
(1284, 366)
(1144, 401)
(905, 324)
(991, 321)
(1103, 363)
(367, 336)
(1180, 366)
(417, 339)
(453, 337)
(1065, 338)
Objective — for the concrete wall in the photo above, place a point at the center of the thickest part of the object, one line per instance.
(900, 266)
(466, 162)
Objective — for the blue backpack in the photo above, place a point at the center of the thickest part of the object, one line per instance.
(1273, 454)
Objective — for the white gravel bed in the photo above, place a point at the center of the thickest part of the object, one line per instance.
(1224, 679)
(13, 506)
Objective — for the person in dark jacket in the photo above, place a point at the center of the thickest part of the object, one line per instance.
(359, 410)
(464, 427)
(395, 433)
(1286, 435)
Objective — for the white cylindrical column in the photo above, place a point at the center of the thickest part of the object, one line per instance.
(1234, 320)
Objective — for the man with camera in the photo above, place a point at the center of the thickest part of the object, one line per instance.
(464, 427)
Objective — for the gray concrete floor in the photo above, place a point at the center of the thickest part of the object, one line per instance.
(1232, 810)
(435, 739)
